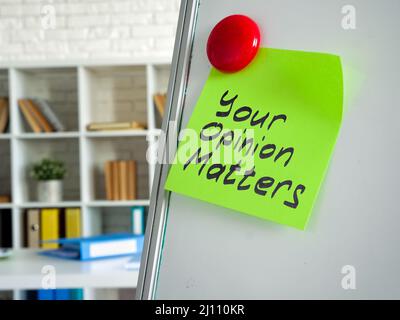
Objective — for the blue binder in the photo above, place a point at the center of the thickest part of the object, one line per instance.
(97, 247)
(46, 294)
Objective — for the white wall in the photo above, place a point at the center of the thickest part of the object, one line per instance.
(33, 30)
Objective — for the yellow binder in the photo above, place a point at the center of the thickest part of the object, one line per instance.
(72, 222)
(49, 227)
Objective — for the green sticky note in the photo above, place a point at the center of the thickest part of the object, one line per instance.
(259, 141)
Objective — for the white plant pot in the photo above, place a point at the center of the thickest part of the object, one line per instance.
(50, 191)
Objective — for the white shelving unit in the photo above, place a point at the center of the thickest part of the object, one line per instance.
(81, 94)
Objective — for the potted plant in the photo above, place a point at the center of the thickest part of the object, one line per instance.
(49, 174)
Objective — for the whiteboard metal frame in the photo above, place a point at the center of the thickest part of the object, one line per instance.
(159, 200)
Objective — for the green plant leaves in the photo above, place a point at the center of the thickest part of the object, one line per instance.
(48, 169)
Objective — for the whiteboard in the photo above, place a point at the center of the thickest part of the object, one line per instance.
(209, 252)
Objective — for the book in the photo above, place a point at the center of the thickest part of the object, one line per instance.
(55, 294)
(31, 294)
(123, 180)
(45, 108)
(49, 228)
(97, 247)
(110, 126)
(120, 180)
(5, 228)
(39, 117)
(4, 114)
(76, 294)
(72, 229)
(29, 118)
(62, 294)
(132, 180)
(138, 220)
(109, 180)
(115, 184)
(45, 294)
(5, 199)
(32, 226)
(72, 222)
(159, 101)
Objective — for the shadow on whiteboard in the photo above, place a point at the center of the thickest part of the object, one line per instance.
(353, 80)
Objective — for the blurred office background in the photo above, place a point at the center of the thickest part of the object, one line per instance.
(82, 86)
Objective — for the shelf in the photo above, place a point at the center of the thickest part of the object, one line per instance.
(70, 204)
(52, 135)
(64, 204)
(35, 150)
(5, 136)
(123, 133)
(99, 151)
(155, 132)
(119, 92)
(6, 205)
(119, 133)
(78, 94)
(23, 270)
(128, 203)
(81, 94)
(58, 86)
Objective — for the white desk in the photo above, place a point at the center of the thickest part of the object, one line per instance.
(23, 270)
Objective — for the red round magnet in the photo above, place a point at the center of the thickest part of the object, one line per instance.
(233, 43)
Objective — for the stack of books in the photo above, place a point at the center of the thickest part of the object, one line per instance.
(39, 116)
(120, 180)
(50, 224)
(115, 126)
(4, 114)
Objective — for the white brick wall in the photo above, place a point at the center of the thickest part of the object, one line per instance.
(120, 94)
(33, 30)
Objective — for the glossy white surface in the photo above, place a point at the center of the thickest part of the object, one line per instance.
(26, 269)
